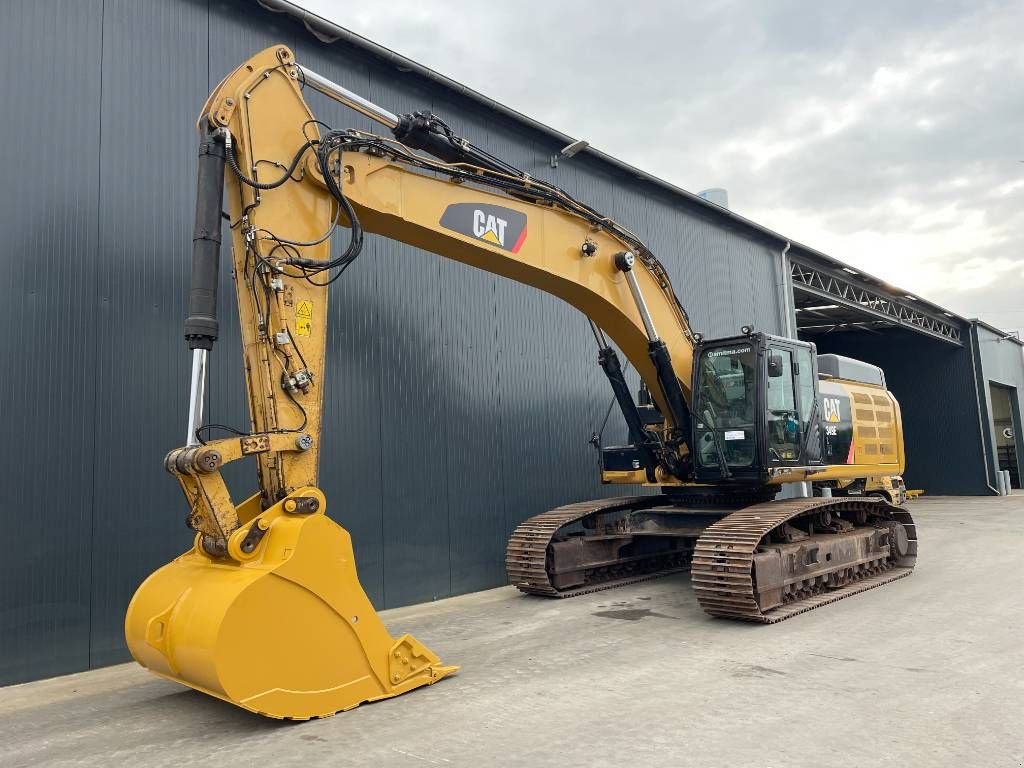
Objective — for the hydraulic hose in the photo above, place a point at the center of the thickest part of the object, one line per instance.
(230, 151)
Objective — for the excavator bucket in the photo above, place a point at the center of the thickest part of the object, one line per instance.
(281, 627)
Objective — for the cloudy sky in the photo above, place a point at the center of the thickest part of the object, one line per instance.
(887, 134)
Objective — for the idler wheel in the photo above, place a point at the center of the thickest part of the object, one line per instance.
(899, 544)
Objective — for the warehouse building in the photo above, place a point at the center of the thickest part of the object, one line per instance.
(457, 403)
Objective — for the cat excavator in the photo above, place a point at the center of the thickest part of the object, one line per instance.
(266, 611)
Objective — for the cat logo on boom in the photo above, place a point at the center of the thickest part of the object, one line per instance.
(489, 228)
(494, 224)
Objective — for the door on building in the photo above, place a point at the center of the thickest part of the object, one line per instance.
(1006, 423)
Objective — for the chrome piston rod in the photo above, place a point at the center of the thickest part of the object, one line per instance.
(197, 391)
(348, 98)
(624, 261)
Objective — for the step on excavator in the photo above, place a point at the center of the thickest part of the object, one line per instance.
(266, 611)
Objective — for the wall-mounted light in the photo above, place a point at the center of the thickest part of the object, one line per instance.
(568, 151)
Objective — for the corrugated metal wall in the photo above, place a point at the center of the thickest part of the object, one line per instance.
(458, 403)
(1000, 361)
(49, 225)
(934, 384)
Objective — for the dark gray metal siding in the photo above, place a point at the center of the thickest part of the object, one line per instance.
(457, 403)
(934, 384)
(49, 220)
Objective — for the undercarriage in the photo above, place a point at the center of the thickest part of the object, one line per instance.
(762, 562)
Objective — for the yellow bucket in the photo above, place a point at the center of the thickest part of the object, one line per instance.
(284, 630)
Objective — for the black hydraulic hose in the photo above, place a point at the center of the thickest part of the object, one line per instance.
(272, 184)
(201, 325)
(332, 142)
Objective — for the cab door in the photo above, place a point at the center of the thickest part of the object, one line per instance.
(792, 435)
(782, 423)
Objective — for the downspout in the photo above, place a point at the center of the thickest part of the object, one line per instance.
(787, 292)
(975, 352)
(803, 489)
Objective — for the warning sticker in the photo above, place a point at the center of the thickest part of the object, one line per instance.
(304, 318)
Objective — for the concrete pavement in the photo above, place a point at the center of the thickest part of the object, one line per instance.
(926, 671)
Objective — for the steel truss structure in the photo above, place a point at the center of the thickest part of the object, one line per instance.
(873, 306)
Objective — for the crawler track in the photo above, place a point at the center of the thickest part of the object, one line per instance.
(724, 575)
(528, 564)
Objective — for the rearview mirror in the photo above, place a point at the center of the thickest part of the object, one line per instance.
(774, 366)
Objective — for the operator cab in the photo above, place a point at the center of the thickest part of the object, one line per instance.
(754, 408)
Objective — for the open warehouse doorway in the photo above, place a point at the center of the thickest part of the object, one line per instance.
(930, 363)
(1006, 428)
(1001, 377)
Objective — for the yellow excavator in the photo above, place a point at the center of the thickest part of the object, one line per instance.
(266, 610)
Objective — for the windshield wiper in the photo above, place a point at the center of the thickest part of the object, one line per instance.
(719, 445)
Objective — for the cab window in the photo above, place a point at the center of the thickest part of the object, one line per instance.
(783, 420)
(727, 384)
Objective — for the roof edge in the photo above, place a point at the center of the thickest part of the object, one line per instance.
(1003, 335)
